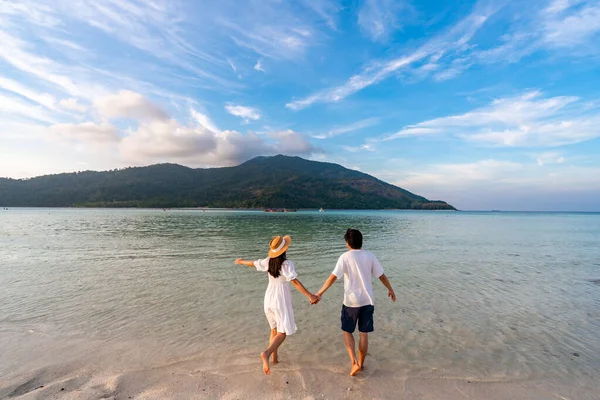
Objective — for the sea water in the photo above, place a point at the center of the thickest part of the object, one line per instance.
(503, 296)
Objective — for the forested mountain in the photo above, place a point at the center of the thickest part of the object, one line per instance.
(277, 182)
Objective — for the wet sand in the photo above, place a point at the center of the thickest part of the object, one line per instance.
(105, 370)
(193, 380)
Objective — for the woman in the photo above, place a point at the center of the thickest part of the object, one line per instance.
(278, 297)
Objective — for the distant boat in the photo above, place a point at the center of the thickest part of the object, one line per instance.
(321, 210)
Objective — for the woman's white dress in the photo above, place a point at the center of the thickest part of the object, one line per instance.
(278, 297)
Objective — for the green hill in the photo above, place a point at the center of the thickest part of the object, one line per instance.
(277, 182)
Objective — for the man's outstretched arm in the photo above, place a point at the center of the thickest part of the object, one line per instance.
(388, 285)
(330, 281)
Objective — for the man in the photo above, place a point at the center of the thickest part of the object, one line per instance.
(358, 267)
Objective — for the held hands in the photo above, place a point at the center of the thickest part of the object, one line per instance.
(314, 299)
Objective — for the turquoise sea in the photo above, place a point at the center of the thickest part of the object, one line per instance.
(487, 295)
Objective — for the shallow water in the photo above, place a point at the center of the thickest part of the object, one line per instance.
(497, 296)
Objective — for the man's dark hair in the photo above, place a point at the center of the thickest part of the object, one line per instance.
(354, 238)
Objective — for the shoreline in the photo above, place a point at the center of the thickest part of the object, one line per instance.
(243, 379)
(496, 212)
(93, 369)
(221, 209)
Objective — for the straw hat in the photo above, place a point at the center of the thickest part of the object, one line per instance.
(279, 245)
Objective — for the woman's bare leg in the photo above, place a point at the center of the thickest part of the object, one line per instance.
(273, 334)
(275, 343)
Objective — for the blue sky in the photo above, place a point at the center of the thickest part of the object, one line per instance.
(484, 104)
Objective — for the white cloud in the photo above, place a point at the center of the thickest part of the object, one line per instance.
(232, 65)
(365, 123)
(412, 130)
(558, 6)
(357, 82)
(59, 78)
(37, 13)
(568, 24)
(65, 43)
(86, 132)
(569, 28)
(160, 141)
(291, 143)
(154, 136)
(453, 175)
(456, 67)
(325, 9)
(160, 138)
(272, 40)
(13, 52)
(525, 120)
(204, 121)
(247, 113)
(549, 158)
(44, 99)
(128, 104)
(161, 30)
(454, 40)
(356, 149)
(12, 108)
(72, 104)
(379, 18)
(258, 66)
(499, 184)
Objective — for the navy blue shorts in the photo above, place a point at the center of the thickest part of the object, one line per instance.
(363, 315)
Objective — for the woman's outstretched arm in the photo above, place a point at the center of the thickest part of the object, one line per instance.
(247, 263)
(298, 285)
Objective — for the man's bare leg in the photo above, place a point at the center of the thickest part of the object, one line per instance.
(273, 334)
(275, 343)
(350, 346)
(363, 348)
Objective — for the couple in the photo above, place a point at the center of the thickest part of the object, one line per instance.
(356, 266)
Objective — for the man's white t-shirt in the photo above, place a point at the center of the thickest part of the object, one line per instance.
(358, 267)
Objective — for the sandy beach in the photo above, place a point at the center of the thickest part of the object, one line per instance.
(244, 380)
(197, 379)
(85, 370)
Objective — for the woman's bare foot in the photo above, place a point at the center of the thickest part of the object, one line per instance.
(275, 360)
(265, 360)
(355, 369)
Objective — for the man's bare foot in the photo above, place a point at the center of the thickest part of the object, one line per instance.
(265, 361)
(275, 360)
(355, 369)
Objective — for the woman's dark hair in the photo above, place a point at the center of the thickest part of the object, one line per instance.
(354, 238)
(275, 265)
